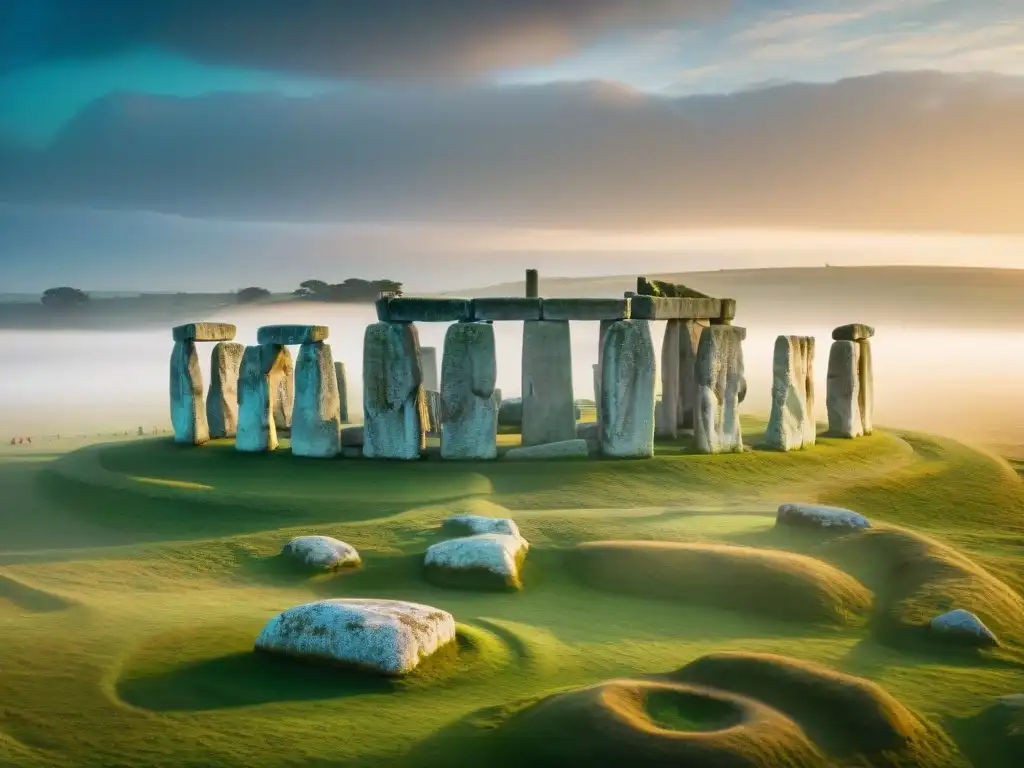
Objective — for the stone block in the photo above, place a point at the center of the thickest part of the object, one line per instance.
(284, 394)
(352, 437)
(204, 332)
(842, 394)
(222, 399)
(655, 308)
(585, 309)
(259, 381)
(393, 399)
(853, 332)
(645, 287)
(188, 413)
(316, 419)
(866, 388)
(549, 410)
(627, 391)
(381, 306)
(689, 341)
(791, 424)
(719, 375)
(507, 308)
(728, 313)
(564, 449)
(469, 412)
(428, 359)
(341, 375)
(292, 334)
(414, 309)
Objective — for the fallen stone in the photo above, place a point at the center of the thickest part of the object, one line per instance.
(428, 359)
(292, 334)
(646, 287)
(322, 553)
(791, 425)
(507, 308)
(719, 377)
(866, 387)
(472, 525)
(818, 516)
(549, 413)
(284, 394)
(341, 375)
(188, 412)
(316, 418)
(469, 412)
(393, 399)
(585, 309)
(352, 436)
(853, 332)
(564, 449)
(964, 626)
(654, 308)
(487, 560)
(842, 393)
(627, 391)
(204, 332)
(412, 309)
(222, 399)
(389, 637)
(258, 383)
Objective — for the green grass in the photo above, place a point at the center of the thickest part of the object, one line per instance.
(135, 576)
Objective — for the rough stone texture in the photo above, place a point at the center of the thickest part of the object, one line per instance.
(842, 394)
(689, 341)
(352, 437)
(432, 412)
(585, 309)
(322, 553)
(292, 334)
(477, 524)
(728, 313)
(655, 308)
(646, 287)
(188, 413)
(259, 380)
(393, 399)
(549, 414)
(204, 332)
(316, 420)
(495, 553)
(428, 359)
(352, 452)
(720, 377)
(413, 309)
(390, 637)
(563, 449)
(866, 387)
(222, 399)
(341, 376)
(853, 332)
(666, 419)
(284, 394)
(627, 391)
(964, 626)
(791, 425)
(507, 308)
(469, 412)
(818, 516)
(381, 306)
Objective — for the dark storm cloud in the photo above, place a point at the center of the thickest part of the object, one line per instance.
(899, 151)
(381, 38)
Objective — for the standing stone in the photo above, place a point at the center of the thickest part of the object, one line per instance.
(188, 414)
(222, 399)
(597, 387)
(842, 395)
(549, 414)
(689, 340)
(469, 411)
(259, 380)
(432, 412)
(627, 391)
(719, 377)
(284, 397)
(532, 283)
(341, 375)
(791, 425)
(667, 418)
(316, 422)
(866, 392)
(428, 357)
(392, 392)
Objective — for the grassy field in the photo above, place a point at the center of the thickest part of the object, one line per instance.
(135, 576)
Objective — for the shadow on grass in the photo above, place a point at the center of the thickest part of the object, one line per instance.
(29, 598)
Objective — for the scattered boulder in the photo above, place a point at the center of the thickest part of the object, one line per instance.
(563, 449)
(817, 516)
(548, 406)
(316, 419)
(393, 398)
(390, 637)
(964, 626)
(842, 396)
(719, 375)
(322, 553)
(188, 413)
(222, 399)
(627, 391)
(469, 411)
(485, 561)
(791, 425)
(477, 524)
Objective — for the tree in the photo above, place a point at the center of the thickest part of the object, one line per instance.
(252, 294)
(64, 297)
(352, 290)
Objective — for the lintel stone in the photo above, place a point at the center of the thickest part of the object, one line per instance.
(853, 332)
(292, 334)
(586, 309)
(659, 308)
(204, 332)
(507, 308)
(414, 309)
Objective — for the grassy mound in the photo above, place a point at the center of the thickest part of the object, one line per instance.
(995, 736)
(848, 717)
(777, 584)
(28, 598)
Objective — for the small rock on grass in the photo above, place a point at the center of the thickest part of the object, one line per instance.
(476, 524)
(487, 560)
(322, 553)
(817, 516)
(965, 626)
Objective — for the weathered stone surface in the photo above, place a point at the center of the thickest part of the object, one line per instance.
(689, 341)
(390, 637)
(204, 332)
(284, 394)
(352, 452)
(666, 419)
(414, 309)
(964, 626)
(818, 516)
(352, 437)
(627, 391)
(564, 449)
(728, 313)
(188, 413)
(532, 283)
(866, 387)
(645, 287)
(469, 412)
(791, 425)
(322, 553)
(393, 399)
(507, 308)
(263, 367)
(853, 332)
(428, 359)
(719, 376)
(599, 369)
(549, 414)
(655, 308)
(341, 376)
(496, 555)
(432, 412)
(381, 305)
(222, 399)
(842, 393)
(585, 309)
(292, 334)
(472, 525)
(316, 419)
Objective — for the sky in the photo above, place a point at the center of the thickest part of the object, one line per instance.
(633, 119)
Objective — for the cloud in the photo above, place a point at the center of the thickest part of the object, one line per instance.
(383, 38)
(892, 151)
